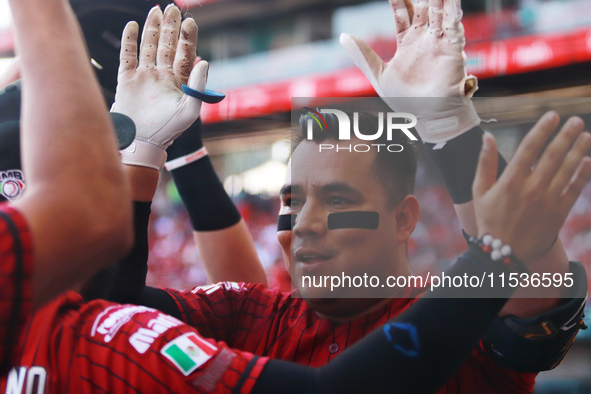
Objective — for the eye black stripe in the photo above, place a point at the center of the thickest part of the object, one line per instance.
(286, 222)
(355, 219)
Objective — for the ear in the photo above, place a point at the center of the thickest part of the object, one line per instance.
(407, 216)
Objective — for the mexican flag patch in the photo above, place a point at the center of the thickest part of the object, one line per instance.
(188, 352)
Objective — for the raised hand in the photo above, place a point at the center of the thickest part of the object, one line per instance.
(149, 88)
(429, 62)
(527, 207)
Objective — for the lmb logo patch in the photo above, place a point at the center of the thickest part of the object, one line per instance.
(11, 184)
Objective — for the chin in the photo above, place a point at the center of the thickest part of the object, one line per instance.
(330, 307)
(317, 295)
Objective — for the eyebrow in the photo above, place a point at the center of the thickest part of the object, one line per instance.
(340, 187)
(288, 189)
(337, 187)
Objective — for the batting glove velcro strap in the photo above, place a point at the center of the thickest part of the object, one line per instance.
(144, 154)
(446, 126)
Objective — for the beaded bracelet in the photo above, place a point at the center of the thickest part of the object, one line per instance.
(498, 252)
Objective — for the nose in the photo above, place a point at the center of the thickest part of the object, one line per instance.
(311, 220)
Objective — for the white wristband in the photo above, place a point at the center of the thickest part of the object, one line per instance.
(184, 160)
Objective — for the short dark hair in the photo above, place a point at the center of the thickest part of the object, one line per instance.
(395, 170)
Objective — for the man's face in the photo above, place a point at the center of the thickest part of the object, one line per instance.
(318, 184)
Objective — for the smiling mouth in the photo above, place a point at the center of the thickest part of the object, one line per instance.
(309, 261)
(310, 256)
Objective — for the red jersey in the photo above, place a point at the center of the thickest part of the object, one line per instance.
(269, 323)
(16, 288)
(99, 347)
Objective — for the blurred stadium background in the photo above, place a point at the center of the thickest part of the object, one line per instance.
(263, 52)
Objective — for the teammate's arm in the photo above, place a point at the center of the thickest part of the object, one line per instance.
(436, 29)
(552, 259)
(73, 203)
(225, 244)
(226, 247)
(165, 63)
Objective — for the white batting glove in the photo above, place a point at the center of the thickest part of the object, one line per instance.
(429, 62)
(149, 91)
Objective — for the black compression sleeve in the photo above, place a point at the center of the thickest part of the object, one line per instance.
(417, 352)
(98, 286)
(124, 281)
(207, 203)
(161, 300)
(129, 281)
(457, 162)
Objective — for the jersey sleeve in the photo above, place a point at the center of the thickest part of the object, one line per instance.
(16, 288)
(129, 348)
(221, 310)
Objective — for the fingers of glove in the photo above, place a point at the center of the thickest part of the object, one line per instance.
(486, 172)
(198, 78)
(186, 51)
(554, 156)
(578, 182)
(197, 81)
(531, 146)
(128, 54)
(189, 107)
(452, 25)
(568, 169)
(436, 16)
(150, 37)
(364, 57)
(402, 14)
(452, 13)
(169, 36)
(421, 13)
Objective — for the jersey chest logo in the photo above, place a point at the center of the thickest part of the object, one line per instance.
(113, 318)
(144, 337)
